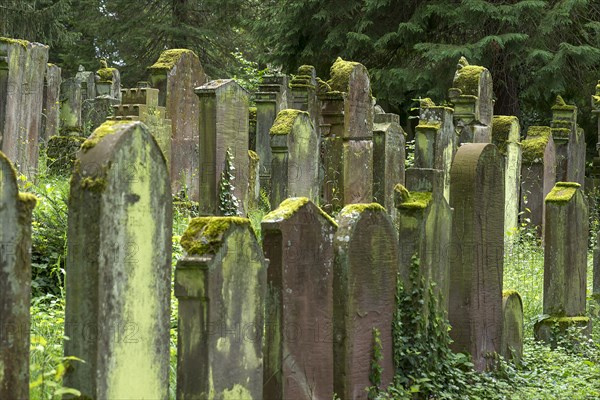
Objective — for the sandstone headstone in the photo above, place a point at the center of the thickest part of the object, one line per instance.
(51, 103)
(119, 266)
(223, 126)
(477, 251)
(569, 141)
(388, 159)
(221, 286)
(295, 157)
(176, 74)
(297, 239)
(97, 110)
(364, 290)
(70, 106)
(87, 82)
(15, 283)
(108, 82)
(304, 92)
(512, 326)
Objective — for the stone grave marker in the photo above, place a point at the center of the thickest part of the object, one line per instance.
(569, 141)
(512, 326)
(304, 92)
(51, 103)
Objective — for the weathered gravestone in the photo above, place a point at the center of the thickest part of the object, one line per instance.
(22, 70)
(295, 157)
(108, 81)
(435, 140)
(220, 285)
(477, 251)
(223, 128)
(472, 95)
(565, 261)
(512, 326)
(87, 82)
(424, 222)
(304, 92)
(388, 159)
(96, 110)
(119, 266)
(15, 283)
(569, 141)
(298, 241)
(538, 173)
(506, 136)
(176, 73)
(364, 290)
(51, 103)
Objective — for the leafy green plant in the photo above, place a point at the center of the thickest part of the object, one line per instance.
(229, 205)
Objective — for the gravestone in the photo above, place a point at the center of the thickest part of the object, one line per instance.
(569, 141)
(108, 82)
(176, 74)
(538, 173)
(388, 159)
(472, 95)
(97, 110)
(512, 326)
(119, 266)
(70, 106)
(51, 103)
(253, 199)
(424, 222)
(15, 283)
(506, 136)
(87, 82)
(304, 92)
(364, 290)
(223, 127)
(435, 140)
(22, 70)
(297, 240)
(565, 260)
(295, 157)
(477, 252)
(220, 284)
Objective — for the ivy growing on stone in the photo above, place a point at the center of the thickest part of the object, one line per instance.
(229, 205)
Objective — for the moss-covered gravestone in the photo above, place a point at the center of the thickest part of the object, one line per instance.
(303, 90)
(565, 261)
(538, 173)
(22, 70)
(473, 98)
(364, 291)
(569, 142)
(435, 140)
(298, 241)
(295, 162)
(119, 266)
(512, 326)
(388, 159)
(220, 285)
(51, 103)
(15, 283)
(108, 82)
(176, 74)
(506, 136)
(223, 128)
(477, 251)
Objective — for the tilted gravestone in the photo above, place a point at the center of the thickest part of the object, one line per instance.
(176, 74)
(472, 95)
(565, 261)
(388, 159)
(506, 136)
(298, 241)
(221, 286)
(512, 326)
(22, 70)
(295, 157)
(15, 283)
(364, 291)
(223, 128)
(51, 103)
(477, 251)
(569, 141)
(538, 173)
(119, 266)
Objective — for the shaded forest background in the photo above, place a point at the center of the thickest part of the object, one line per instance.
(534, 49)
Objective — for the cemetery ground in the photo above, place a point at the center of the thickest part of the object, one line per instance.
(426, 368)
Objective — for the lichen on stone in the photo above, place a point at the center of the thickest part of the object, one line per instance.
(562, 192)
(169, 58)
(467, 79)
(289, 207)
(107, 128)
(340, 74)
(21, 42)
(204, 235)
(285, 121)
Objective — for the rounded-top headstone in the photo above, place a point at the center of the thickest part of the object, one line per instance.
(512, 326)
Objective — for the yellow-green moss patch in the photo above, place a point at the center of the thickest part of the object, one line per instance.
(107, 128)
(566, 320)
(427, 125)
(560, 105)
(360, 208)
(28, 199)
(204, 235)
(467, 79)
(562, 192)
(97, 184)
(306, 70)
(21, 42)
(535, 144)
(426, 103)
(510, 292)
(402, 191)
(340, 74)
(412, 200)
(106, 74)
(322, 86)
(284, 121)
(253, 155)
(252, 113)
(169, 58)
(501, 128)
(289, 207)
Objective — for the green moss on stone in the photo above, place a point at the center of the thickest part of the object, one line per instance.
(97, 184)
(27, 199)
(412, 200)
(340, 74)
(289, 207)
(427, 125)
(426, 103)
(501, 127)
(252, 113)
(169, 58)
(566, 320)
(204, 235)
(306, 70)
(561, 133)
(107, 128)
(301, 81)
(360, 208)
(508, 293)
(20, 42)
(467, 79)
(106, 74)
(560, 105)
(253, 156)
(562, 192)
(402, 191)
(285, 121)
(322, 86)
(535, 144)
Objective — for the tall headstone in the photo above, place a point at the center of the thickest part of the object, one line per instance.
(569, 141)
(477, 251)
(223, 127)
(565, 260)
(506, 136)
(364, 290)
(472, 95)
(176, 73)
(15, 283)
(22, 70)
(538, 173)
(220, 284)
(295, 157)
(119, 266)
(388, 159)
(51, 103)
(298, 241)
(512, 326)
(304, 92)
